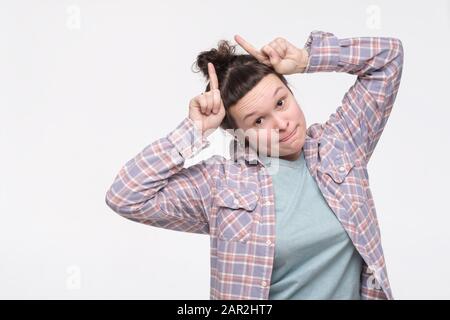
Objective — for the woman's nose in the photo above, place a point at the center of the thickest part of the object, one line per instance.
(281, 123)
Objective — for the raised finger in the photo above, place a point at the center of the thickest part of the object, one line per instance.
(216, 99)
(213, 81)
(249, 48)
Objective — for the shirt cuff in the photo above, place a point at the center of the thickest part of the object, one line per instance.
(188, 138)
(324, 51)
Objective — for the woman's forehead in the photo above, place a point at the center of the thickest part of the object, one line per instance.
(262, 94)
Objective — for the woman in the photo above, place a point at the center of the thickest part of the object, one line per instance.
(307, 230)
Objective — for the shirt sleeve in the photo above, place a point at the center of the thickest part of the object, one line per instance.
(155, 189)
(377, 62)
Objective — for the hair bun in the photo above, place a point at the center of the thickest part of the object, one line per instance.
(220, 57)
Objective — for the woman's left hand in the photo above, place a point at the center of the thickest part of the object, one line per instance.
(280, 54)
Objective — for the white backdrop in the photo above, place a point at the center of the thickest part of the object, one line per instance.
(86, 85)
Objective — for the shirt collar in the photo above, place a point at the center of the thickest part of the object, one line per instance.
(251, 156)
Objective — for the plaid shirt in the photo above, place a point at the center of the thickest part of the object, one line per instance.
(232, 200)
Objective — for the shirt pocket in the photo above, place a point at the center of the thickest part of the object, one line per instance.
(339, 167)
(235, 218)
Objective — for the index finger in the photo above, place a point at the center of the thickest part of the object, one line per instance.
(213, 81)
(249, 48)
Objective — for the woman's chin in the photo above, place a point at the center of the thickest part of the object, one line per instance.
(293, 150)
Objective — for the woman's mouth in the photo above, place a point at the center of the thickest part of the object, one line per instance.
(290, 135)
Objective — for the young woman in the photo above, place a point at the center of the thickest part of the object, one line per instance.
(307, 230)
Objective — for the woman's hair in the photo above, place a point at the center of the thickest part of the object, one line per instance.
(237, 75)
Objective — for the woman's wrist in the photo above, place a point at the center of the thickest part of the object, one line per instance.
(303, 60)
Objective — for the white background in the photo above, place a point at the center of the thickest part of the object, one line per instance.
(86, 85)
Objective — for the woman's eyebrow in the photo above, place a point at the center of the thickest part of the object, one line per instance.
(276, 90)
(253, 112)
(250, 114)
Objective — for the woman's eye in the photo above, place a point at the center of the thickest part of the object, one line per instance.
(278, 102)
(257, 121)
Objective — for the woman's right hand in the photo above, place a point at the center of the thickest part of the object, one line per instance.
(207, 110)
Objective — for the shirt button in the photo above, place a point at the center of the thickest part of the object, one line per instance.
(264, 283)
(341, 168)
(268, 203)
(236, 201)
(268, 242)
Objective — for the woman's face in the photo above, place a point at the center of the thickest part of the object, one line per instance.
(269, 117)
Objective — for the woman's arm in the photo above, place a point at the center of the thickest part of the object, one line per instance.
(366, 106)
(153, 187)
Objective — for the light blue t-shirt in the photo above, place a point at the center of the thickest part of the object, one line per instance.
(314, 256)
